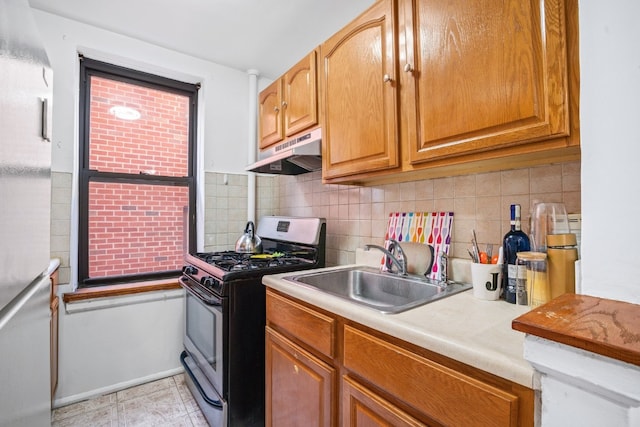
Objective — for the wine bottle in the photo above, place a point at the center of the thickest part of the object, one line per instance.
(514, 241)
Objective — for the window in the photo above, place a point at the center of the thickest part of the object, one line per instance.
(137, 163)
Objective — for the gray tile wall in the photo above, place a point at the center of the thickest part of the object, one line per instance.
(358, 215)
(61, 221)
(225, 210)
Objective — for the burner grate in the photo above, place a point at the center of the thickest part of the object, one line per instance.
(229, 261)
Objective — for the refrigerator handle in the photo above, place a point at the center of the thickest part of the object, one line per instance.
(10, 310)
(45, 120)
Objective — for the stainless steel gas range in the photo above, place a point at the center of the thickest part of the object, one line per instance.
(225, 316)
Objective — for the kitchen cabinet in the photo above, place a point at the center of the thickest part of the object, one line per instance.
(383, 380)
(363, 407)
(290, 104)
(360, 96)
(418, 89)
(482, 75)
(299, 384)
(54, 307)
(430, 387)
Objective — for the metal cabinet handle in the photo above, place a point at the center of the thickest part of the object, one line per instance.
(276, 109)
(387, 78)
(408, 68)
(284, 104)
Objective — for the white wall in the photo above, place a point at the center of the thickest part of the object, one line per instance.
(225, 90)
(112, 344)
(105, 349)
(610, 139)
(579, 387)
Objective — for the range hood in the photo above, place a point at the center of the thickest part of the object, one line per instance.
(292, 157)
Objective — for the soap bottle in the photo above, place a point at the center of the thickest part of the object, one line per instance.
(562, 254)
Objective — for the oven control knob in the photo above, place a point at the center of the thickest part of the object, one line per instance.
(209, 282)
(189, 269)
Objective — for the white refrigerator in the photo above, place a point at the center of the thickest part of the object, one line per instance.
(25, 200)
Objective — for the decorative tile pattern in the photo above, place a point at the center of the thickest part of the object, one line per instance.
(429, 228)
(359, 215)
(166, 402)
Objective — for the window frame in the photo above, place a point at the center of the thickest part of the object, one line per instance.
(88, 69)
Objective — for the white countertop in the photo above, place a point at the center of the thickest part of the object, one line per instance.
(461, 327)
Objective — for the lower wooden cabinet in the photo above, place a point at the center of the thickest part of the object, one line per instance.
(324, 370)
(426, 385)
(54, 345)
(299, 386)
(362, 407)
(54, 307)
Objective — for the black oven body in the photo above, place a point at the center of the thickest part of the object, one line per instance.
(224, 356)
(245, 353)
(240, 360)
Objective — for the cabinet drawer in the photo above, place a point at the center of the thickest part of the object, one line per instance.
(307, 325)
(443, 394)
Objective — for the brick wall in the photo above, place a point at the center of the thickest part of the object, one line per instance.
(136, 228)
(157, 141)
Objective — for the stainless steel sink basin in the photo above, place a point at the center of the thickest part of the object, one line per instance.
(385, 292)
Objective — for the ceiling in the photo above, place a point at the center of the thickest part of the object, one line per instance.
(269, 36)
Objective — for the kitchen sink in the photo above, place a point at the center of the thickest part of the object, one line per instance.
(385, 292)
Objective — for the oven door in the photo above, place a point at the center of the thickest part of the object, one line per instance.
(203, 337)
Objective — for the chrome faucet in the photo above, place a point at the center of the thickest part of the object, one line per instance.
(394, 251)
(443, 267)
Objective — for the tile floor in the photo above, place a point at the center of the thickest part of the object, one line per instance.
(166, 402)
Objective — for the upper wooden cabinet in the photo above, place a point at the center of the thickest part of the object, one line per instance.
(359, 95)
(479, 75)
(414, 89)
(270, 111)
(290, 104)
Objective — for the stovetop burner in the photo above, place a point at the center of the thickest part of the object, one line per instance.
(289, 244)
(234, 261)
(223, 260)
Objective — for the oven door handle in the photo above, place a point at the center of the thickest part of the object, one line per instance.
(192, 287)
(213, 402)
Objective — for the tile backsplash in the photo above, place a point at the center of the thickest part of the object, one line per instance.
(358, 215)
(61, 185)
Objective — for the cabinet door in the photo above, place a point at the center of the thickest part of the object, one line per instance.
(363, 408)
(299, 386)
(482, 74)
(359, 92)
(300, 103)
(54, 345)
(270, 114)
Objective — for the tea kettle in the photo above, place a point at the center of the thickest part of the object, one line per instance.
(249, 243)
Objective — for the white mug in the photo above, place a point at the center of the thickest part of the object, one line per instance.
(486, 280)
